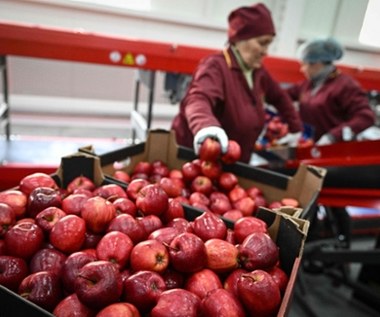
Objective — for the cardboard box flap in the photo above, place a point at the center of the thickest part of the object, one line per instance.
(80, 164)
(14, 305)
(304, 186)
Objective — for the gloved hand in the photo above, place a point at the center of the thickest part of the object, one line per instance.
(325, 139)
(210, 132)
(290, 139)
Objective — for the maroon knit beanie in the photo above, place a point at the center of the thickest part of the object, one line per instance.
(248, 22)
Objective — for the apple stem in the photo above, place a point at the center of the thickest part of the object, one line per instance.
(87, 279)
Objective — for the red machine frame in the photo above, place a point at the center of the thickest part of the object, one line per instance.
(37, 41)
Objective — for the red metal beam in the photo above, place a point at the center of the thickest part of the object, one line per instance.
(73, 45)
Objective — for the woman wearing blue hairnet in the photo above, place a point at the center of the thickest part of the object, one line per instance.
(330, 102)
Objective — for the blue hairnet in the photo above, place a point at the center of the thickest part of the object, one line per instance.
(321, 50)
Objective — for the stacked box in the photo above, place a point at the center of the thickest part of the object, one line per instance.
(288, 231)
(304, 186)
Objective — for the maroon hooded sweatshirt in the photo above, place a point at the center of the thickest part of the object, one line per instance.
(340, 102)
(219, 95)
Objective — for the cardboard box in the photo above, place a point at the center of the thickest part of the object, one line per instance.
(287, 231)
(304, 186)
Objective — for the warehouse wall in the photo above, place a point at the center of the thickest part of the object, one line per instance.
(54, 86)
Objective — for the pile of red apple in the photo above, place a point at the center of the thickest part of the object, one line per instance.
(275, 129)
(106, 250)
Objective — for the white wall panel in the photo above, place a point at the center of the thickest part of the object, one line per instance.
(197, 22)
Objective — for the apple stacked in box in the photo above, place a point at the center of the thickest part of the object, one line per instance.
(109, 251)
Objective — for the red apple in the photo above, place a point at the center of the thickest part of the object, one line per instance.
(260, 201)
(171, 187)
(247, 225)
(181, 224)
(202, 184)
(275, 205)
(71, 306)
(83, 191)
(119, 310)
(41, 198)
(98, 212)
(280, 277)
(122, 176)
(227, 181)
(210, 150)
(144, 167)
(42, 288)
(199, 198)
(253, 191)
(288, 201)
(12, 271)
(258, 251)
(177, 302)
(173, 279)
(233, 214)
(190, 170)
(149, 255)
(47, 260)
(3, 250)
(30, 182)
(7, 218)
(23, 240)
(212, 304)
(110, 192)
(222, 256)
(175, 173)
(135, 186)
(230, 282)
(211, 169)
(91, 240)
(246, 205)
(152, 200)
(187, 253)
(80, 182)
(259, 293)
(160, 168)
(174, 210)
(237, 193)
(68, 234)
(208, 226)
(142, 289)
(201, 207)
(219, 203)
(150, 223)
(124, 205)
(128, 225)
(47, 218)
(165, 235)
(16, 199)
(115, 247)
(98, 284)
(202, 282)
(233, 153)
(73, 203)
(73, 263)
(140, 176)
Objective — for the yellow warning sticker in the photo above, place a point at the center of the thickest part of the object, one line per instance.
(129, 59)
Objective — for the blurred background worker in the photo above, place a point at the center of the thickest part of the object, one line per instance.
(226, 97)
(332, 103)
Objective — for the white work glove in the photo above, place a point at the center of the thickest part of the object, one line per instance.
(325, 139)
(210, 132)
(290, 139)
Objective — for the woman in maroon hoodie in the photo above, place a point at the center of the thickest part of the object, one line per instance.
(332, 103)
(226, 97)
